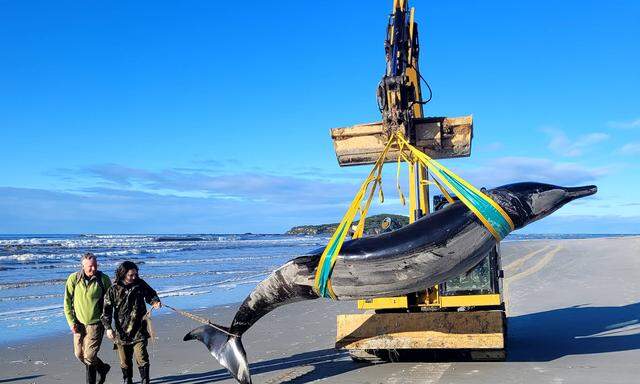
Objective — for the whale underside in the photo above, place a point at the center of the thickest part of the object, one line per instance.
(433, 249)
(406, 260)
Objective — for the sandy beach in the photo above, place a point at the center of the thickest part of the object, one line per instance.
(573, 311)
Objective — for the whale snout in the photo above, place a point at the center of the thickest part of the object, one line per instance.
(578, 192)
(533, 201)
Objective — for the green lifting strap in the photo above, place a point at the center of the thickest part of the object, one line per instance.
(492, 216)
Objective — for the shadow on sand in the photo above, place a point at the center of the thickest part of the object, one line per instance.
(300, 368)
(578, 330)
(20, 378)
(542, 336)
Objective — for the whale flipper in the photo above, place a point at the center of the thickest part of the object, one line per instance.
(228, 350)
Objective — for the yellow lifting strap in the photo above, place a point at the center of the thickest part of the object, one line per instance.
(322, 283)
(492, 216)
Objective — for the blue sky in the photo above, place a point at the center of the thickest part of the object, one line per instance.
(201, 116)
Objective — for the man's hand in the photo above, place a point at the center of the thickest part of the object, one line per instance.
(110, 335)
(157, 305)
(74, 328)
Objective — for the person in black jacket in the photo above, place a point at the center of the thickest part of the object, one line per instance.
(124, 305)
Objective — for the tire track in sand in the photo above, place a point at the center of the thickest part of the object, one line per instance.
(518, 263)
(528, 272)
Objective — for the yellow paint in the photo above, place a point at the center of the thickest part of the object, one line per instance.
(413, 79)
(424, 189)
(434, 300)
(412, 193)
(470, 300)
(384, 302)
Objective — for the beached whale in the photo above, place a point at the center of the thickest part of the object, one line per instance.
(433, 249)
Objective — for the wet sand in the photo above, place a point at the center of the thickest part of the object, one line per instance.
(574, 317)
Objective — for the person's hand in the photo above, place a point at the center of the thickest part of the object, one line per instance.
(74, 328)
(157, 305)
(110, 335)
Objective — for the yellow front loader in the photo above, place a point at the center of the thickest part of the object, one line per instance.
(465, 314)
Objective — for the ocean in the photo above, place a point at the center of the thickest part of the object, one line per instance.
(188, 271)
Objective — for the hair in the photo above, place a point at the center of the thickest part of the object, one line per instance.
(88, 256)
(122, 270)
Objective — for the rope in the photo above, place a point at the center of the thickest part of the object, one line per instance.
(150, 329)
(152, 332)
(200, 320)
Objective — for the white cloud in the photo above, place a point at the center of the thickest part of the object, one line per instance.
(247, 186)
(101, 210)
(505, 170)
(630, 124)
(116, 198)
(562, 145)
(632, 148)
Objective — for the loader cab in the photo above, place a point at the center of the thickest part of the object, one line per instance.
(483, 279)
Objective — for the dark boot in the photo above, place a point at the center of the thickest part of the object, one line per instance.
(127, 375)
(102, 370)
(91, 374)
(144, 374)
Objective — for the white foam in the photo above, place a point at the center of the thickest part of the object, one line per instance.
(184, 293)
(32, 309)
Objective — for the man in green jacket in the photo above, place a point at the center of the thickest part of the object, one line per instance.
(83, 300)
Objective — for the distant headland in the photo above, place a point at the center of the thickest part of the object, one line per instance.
(372, 226)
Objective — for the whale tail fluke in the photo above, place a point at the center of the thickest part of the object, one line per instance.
(228, 350)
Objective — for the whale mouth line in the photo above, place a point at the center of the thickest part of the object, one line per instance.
(578, 192)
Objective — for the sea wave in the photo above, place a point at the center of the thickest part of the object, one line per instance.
(151, 276)
(150, 240)
(31, 283)
(210, 260)
(192, 269)
(31, 297)
(30, 310)
(198, 273)
(181, 290)
(30, 251)
(236, 280)
(43, 257)
(185, 293)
